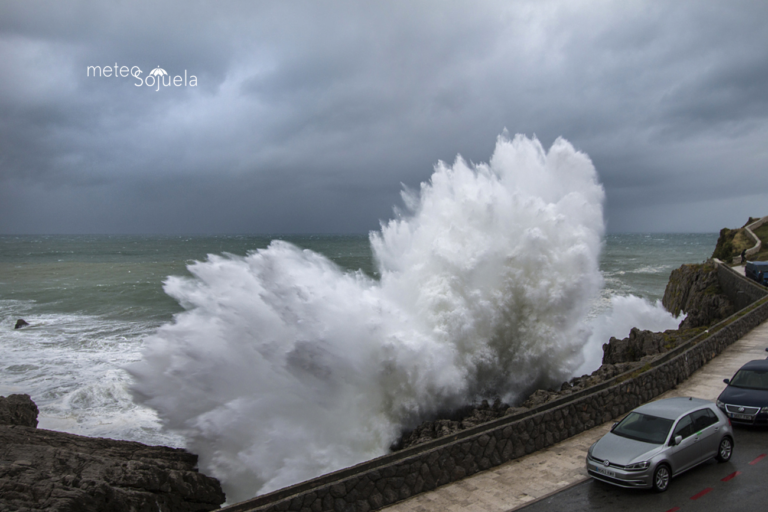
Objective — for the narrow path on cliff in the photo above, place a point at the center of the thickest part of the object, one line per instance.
(541, 474)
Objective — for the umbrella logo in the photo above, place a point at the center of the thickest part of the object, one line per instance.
(158, 71)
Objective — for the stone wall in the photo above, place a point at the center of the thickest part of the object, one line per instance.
(398, 476)
(741, 291)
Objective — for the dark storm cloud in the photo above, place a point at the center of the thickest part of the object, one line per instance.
(308, 115)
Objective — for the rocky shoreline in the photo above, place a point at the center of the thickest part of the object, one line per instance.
(692, 289)
(48, 470)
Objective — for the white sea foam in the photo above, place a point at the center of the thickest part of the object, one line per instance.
(651, 269)
(284, 367)
(622, 313)
(70, 365)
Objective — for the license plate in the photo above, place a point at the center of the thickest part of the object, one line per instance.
(741, 417)
(605, 472)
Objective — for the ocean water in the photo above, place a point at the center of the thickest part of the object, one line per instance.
(91, 301)
(277, 359)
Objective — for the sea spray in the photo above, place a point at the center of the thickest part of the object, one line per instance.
(284, 367)
(623, 313)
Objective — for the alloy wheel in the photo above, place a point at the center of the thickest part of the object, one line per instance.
(661, 478)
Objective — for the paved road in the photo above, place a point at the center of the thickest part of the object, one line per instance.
(522, 481)
(739, 484)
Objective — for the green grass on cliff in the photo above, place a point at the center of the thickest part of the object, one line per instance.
(762, 233)
(732, 241)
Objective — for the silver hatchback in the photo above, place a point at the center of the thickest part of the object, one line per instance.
(660, 440)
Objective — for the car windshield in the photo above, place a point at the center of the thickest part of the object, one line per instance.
(644, 427)
(752, 379)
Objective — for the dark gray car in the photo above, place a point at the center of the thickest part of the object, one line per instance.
(745, 400)
(660, 440)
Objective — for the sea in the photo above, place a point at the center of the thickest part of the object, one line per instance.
(91, 300)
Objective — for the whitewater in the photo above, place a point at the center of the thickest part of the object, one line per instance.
(283, 366)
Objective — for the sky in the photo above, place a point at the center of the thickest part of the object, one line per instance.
(311, 116)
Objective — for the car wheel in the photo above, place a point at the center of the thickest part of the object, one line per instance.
(725, 450)
(661, 478)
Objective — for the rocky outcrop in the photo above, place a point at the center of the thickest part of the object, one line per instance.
(642, 345)
(732, 242)
(18, 410)
(461, 420)
(20, 323)
(695, 290)
(47, 470)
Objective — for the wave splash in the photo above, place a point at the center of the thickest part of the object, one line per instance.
(284, 367)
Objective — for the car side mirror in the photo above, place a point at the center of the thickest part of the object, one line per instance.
(677, 440)
(727, 381)
(615, 424)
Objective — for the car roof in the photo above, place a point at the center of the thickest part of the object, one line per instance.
(672, 408)
(758, 364)
(757, 263)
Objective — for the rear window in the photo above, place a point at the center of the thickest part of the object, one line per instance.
(644, 427)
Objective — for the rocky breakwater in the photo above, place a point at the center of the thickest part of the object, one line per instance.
(47, 470)
(692, 289)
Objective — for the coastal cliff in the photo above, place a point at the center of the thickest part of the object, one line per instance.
(695, 290)
(47, 470)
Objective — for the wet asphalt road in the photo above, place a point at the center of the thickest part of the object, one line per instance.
(739, 484)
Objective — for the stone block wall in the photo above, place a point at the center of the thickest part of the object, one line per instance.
(398, 476)
(741, 291)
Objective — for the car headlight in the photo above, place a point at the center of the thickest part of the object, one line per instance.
(638, 466)
(720, 404)
(764, 410)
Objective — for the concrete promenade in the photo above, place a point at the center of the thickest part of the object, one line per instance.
(527, 479)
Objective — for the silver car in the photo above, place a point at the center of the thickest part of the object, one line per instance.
(660, 440)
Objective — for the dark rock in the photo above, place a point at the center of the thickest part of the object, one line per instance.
(47, 470)
(20, 323)
(18, 410)
(539, 397)
(695, 290)
(638, 345)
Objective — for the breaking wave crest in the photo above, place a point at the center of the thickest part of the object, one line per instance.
(284, 367)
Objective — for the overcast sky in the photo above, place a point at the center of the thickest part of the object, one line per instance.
(307, 116)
